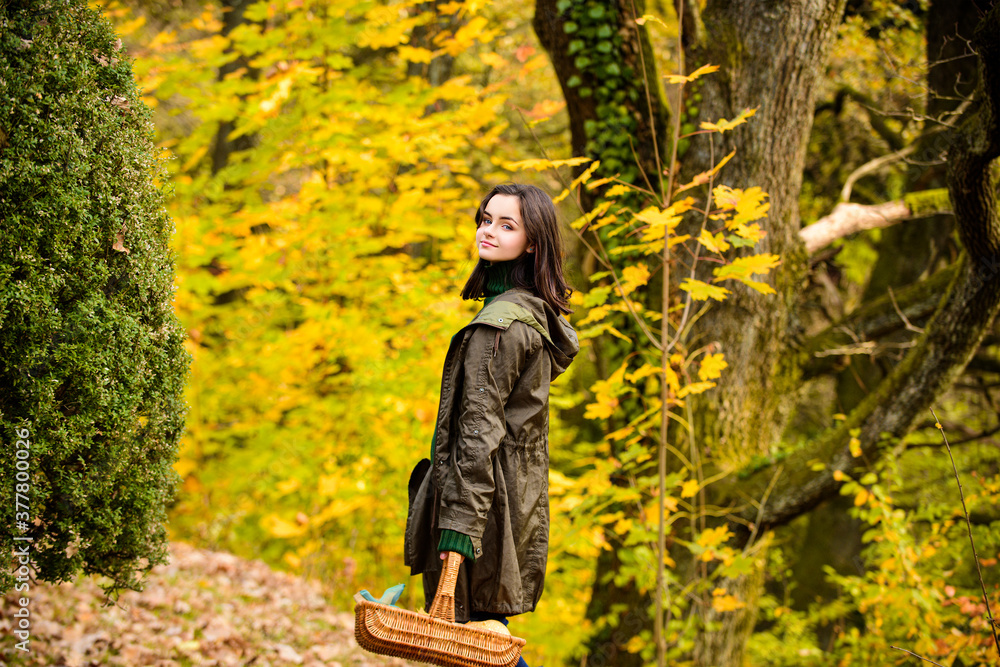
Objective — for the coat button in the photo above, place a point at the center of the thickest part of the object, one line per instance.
(499, 319)
(481, 389)
(476, 432)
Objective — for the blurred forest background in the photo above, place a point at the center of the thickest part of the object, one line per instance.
(326, 158)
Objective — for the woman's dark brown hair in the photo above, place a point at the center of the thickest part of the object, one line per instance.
(539, 272)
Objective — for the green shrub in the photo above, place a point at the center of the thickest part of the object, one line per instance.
(92, 362)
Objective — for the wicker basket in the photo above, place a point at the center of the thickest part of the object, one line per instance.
(433, 638)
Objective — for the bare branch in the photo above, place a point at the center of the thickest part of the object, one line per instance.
(871, 167)
(918, 656)
(902, 315)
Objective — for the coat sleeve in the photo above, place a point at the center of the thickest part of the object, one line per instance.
(493, 361)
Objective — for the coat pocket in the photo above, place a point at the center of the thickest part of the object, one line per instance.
(419, 518)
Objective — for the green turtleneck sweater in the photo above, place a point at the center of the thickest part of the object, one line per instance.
(497, 282)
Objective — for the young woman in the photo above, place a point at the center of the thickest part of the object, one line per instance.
(486, 496)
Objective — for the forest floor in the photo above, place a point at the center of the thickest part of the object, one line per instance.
(203, 608)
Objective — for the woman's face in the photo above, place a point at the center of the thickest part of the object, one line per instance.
(501, 236)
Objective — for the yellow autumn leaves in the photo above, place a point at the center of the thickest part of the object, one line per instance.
(607, 392)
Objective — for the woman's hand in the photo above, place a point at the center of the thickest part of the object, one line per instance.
(444, 556)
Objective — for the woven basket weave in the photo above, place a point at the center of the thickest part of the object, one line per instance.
(433, 638)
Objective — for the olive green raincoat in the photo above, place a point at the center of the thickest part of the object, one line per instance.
(489, 477)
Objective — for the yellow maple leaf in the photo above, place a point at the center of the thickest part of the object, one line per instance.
(713, 537)
(744, 267)
(642, 372)
(636, 643)
(700, 291)
(752, 205)
(490, 59)
(622, 526)
(855, 447)
(750, 232)
(545, 110)
(681, 78)
(656, 217)
(602, 409)
(712, 366)
(672, 380)
(592, 185)
(704, 176)
(633, 277)
(763, 288)
(749, 204)
(596, 314)
(716, 243)
(723, 603)
(279, 527)
(724, 125)
(620, 433)
(689, 488)
(695, 388)
(726, 198)
(416, 54)
(616, 190)
(288, 485)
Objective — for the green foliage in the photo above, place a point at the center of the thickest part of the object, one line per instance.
(918, 588)
(92, 357)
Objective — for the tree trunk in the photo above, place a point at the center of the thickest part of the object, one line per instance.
(611, 117)
(224, 146)
(772, 55)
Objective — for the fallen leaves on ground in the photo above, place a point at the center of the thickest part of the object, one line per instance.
(203, 608)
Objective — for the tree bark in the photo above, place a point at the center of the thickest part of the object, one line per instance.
(772, 55)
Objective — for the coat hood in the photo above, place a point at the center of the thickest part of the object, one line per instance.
(516, 304)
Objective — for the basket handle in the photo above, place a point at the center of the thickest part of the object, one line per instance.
(443, 606)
